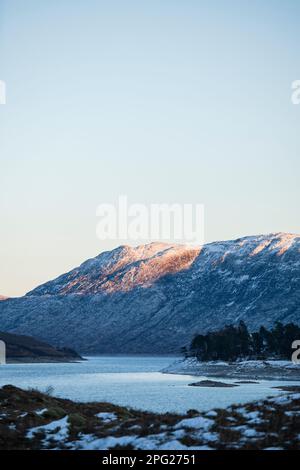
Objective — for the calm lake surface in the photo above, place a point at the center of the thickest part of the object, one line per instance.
(133, 381)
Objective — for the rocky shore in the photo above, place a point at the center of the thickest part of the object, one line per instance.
(249, 370)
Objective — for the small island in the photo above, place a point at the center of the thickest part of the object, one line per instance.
(236, 353)
(212, 383)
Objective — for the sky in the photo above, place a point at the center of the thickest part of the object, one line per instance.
(163, 101)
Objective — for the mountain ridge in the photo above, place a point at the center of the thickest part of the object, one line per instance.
(153, 298)
(144, 253)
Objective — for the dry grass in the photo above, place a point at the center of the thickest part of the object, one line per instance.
(278, 424)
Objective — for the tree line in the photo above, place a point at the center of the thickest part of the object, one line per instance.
(234, 343)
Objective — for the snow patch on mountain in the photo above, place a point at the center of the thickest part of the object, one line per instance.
(122, 269)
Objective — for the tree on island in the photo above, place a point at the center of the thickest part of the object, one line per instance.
(234, 343)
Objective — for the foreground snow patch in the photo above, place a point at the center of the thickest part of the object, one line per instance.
(161, 441)
(195, 423)
(107, 417)
(56, 430)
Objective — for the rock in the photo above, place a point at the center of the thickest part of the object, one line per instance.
(246, 382)
(289, 388)
(212, 383)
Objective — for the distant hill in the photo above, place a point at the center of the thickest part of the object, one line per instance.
(21, 348)
(154, 298)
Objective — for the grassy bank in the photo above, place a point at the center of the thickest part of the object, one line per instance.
(33, 420)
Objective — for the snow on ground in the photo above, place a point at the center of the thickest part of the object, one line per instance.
(161, 441)
(195, 423)
(241, 369)
(247, 424)
(55, 430)
(285, 398)
(41, 412)
(91, 442)
(107, 417)
(265, 424)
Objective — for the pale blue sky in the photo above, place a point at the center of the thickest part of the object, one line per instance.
(165, 101)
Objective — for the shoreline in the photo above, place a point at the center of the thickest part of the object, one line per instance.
(46, 360)
(251, 370)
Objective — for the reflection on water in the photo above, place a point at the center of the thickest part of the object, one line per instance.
(133, 381)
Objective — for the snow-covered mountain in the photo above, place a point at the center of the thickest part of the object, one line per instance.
(122, 270)
(154, 298)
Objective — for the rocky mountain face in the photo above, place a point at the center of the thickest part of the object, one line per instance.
(154, 298)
